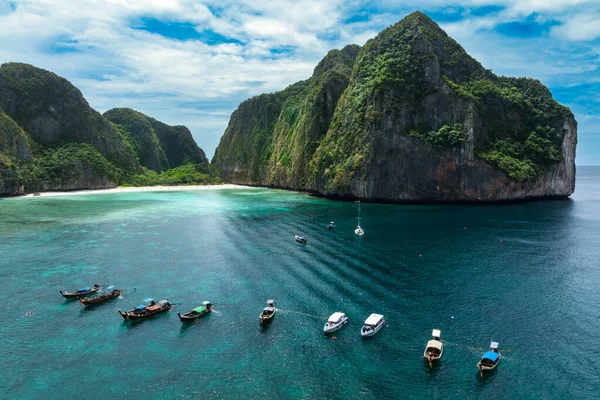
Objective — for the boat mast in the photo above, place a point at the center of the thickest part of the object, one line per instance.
(358, 218)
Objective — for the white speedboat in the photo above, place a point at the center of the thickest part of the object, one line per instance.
(434, 348)
(335, 322)
(372, 325)
(490, 358)
(359, 231)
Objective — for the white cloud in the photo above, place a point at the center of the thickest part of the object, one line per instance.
(199, 84)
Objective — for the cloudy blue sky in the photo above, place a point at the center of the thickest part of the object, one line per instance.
(192, 62)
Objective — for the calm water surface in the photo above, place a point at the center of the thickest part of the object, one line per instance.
(526, 275)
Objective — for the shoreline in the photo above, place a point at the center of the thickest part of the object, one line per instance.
(133, 189)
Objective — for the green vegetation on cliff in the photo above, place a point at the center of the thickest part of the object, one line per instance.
(50, 138)
(360, 119)
(271, 138)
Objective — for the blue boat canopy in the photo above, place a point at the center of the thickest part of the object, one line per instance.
(490, 355)
(148, 300)
(140, 307)
(84, 289)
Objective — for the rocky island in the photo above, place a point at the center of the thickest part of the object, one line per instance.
(409, 117)
(51, 139)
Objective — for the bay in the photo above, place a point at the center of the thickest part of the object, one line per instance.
(524, 274)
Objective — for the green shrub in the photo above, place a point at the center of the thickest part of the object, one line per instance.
(447, 135)
(189, 174)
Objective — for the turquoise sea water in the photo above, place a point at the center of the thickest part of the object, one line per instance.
(526, 275)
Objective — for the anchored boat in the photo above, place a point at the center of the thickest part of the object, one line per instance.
(86, 291)
(147, 310)
(372, 325)
(268, 313)
(101, 297)
(335, 322)
(197, 312)
(434, 348)
(331, 225)
(359, 231)
(490, 358)
(301, 239)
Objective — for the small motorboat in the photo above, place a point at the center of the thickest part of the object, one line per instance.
(359, 231)
(196, 313)
(301, 239)
(331, 225)
(335, 322)
(101, 297)
(490, 358)
(268, 313)
(372, 325)
(434, 348)
(86, 291)
(147, 310)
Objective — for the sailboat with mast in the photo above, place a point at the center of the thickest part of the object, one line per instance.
(359, 231)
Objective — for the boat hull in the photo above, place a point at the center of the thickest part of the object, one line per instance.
(132, 315)
(434, 358)
(484, 368)
(190, 318)
(99, 300)
(334, 328)
(73, 296)
(265, 319)
(371, 332)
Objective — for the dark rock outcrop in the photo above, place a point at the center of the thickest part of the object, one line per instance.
(51, 139)
(408, 117)
(158, 146)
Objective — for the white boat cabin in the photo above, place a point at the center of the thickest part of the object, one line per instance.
(336, 318)
(374, 320)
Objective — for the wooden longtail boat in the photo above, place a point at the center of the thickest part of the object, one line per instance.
(490, 359)
(434, 348)
(147, 310)
(86, 291)
(268, 313)
(196, 313)
(100, 298)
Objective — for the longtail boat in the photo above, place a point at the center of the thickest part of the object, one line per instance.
(434, 348)
(100, 298)
(86, 291)
(147, 310)
(268, 313)
(490, 359)
(196, 313)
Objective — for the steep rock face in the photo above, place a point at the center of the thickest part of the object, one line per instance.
(271, 138)
(178, 144)
(14, 148)
(158, 146)
(53, 111)
(136, 127)
(420, 120)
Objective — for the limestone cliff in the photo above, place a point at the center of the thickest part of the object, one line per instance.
(51, 139)
(408, 117)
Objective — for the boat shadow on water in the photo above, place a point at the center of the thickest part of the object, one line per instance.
(186, 326)
(486, 377)
(433, 368)
(264, 328)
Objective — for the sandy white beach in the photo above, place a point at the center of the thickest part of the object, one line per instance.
(137, 189)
